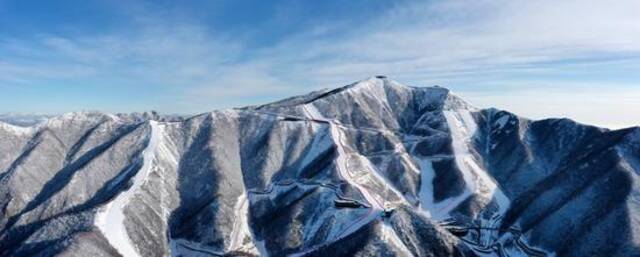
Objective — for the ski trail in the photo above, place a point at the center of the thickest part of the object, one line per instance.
(342, 163)
(238, 225)
(110, 220)
(427, 174)
(343, 157)
(390, 235)
(343, 169)
(463, 128)
(241, 229)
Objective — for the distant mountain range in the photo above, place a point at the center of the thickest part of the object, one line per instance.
(374, 168)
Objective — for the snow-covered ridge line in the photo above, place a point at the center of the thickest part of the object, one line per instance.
(377, 86)
(56, 121)
(59, 119)
(371, 142)
(110, 219)
(18, 130)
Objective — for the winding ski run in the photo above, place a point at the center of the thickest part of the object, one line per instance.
(342, 162)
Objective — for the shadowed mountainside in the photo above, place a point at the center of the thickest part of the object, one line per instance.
(374, 168)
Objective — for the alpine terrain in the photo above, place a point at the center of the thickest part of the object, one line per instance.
(374, 168)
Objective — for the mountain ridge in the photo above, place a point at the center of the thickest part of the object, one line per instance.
(6, 120)
(374, 168)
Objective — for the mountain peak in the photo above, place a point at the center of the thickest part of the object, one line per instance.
(384, 85)
(368, 168)
(375, 87)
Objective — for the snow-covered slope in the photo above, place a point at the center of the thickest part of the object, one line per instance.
(374, 168)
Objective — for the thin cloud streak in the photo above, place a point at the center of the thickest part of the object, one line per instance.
(469, 46)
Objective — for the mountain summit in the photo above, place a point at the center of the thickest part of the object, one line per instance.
(374, 168)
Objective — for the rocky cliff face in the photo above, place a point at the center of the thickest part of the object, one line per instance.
(370, 169)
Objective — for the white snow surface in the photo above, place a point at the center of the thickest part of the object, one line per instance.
(477, 180)
(110, 219)
(241, 228)
(320, 144)
(502, 121)
(312, 112)
(342, 161)
(427, 174)
(17, 130)
(389, 235)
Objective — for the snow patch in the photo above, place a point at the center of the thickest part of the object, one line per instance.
(342, 163)
(167, 148)
(241, 226)
(312, 112)
(427, 174)
(17, 130)
(477, 180)
(502, 121)
(319, 145)
(110, 219)
(389, 235)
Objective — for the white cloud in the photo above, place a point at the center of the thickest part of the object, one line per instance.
(473, 35)
(603, 105)
(459, 44)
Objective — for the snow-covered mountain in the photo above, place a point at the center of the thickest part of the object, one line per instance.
(24, 120)
(374, 168)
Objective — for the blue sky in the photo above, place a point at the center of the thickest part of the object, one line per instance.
(579, 59)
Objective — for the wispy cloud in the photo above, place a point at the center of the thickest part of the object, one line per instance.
(512, 47)
(460, 36)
